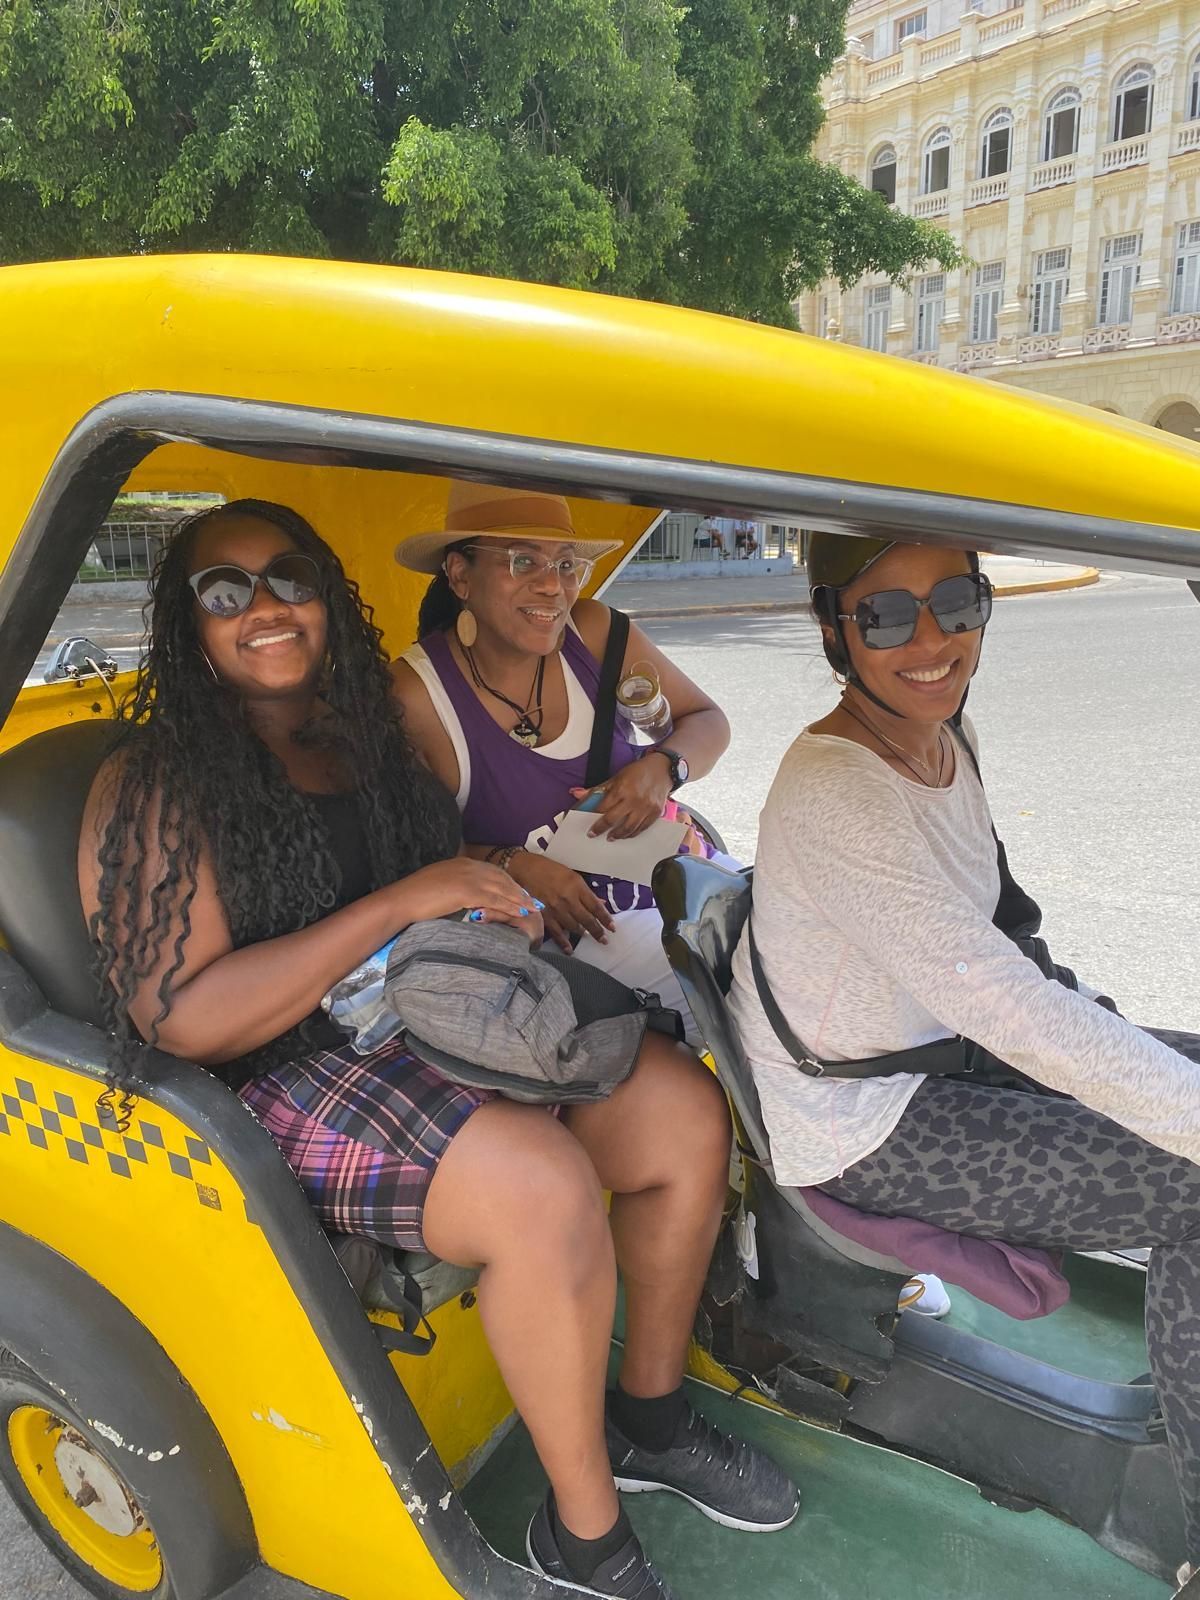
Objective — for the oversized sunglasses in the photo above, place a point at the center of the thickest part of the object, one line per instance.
(961, 604)
(525, 564)
(227, 591)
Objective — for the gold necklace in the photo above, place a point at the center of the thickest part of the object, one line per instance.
(928, 777)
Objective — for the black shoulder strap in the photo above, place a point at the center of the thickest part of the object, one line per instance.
(799, 1052)
(938, 1058)
(1017, 913)
(599, 761)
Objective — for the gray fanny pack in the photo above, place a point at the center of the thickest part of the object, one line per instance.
(478, 1005)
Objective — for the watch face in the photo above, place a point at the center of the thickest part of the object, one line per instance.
(681, 771)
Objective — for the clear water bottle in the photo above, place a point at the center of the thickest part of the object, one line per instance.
(359, 1007)
(643, 704)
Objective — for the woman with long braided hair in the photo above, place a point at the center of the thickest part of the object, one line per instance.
(262, 827)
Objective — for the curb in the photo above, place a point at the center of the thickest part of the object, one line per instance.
(1078, 580)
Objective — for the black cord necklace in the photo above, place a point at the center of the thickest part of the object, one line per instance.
(527, 729)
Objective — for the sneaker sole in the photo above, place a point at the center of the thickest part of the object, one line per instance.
(642, 1486)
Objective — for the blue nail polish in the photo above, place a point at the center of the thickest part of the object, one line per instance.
(524, 911)
(539, 905)
(475, 916)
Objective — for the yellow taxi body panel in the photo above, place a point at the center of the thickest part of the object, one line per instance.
(157, 1219)
(553, 365)
(171, 1238)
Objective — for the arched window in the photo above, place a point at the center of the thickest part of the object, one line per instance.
(1060, 127)
(996, 154)
(883, 173)
(1193, 99)
(1133, 102)
(935, 163)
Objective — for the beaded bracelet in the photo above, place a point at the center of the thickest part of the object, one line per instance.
(502, 854)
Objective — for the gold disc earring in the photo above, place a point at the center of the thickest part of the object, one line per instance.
(466, 628)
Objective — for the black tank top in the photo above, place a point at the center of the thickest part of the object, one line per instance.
(347, 844)
(348, 847)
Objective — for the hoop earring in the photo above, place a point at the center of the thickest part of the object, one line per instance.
(209, 665)
(840, 679)
(466, 628)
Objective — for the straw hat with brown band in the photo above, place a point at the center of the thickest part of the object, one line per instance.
(481, 511)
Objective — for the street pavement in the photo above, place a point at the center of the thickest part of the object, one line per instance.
(731, 589)
(1086, 710)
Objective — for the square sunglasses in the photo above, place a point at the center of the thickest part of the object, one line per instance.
(962, 604)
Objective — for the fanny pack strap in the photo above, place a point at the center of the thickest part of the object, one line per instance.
(599, 761)
(936, 1059)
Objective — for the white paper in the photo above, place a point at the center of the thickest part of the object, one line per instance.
(632, 859)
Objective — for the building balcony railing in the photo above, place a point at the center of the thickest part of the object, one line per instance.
(1056, 8)
(1180, 328)
(940, 49)
(880, 71)
(1049, 174)
(932, 205)
(975, 355)
(1037, 347)
(1000, 27)
(1109, 337)
(986, 191)
(1125, 153)
(1188, 138)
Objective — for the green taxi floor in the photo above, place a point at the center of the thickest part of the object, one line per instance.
(875, 1525)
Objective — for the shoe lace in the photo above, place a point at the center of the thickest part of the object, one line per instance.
(719, 1448)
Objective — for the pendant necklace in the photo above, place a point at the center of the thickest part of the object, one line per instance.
(527, 729)
(927, 775)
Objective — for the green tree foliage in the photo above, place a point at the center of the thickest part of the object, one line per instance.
(628, 145)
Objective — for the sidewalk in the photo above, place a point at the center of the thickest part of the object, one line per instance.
(114, 621)
(788, 592)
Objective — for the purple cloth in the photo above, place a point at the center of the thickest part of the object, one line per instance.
(517, 795)
(1017, 1279)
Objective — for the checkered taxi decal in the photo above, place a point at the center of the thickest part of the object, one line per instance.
(90, 1135)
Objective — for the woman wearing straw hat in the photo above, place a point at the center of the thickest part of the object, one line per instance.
(500, 696)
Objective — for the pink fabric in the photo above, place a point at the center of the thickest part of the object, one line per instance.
(1017, 1279)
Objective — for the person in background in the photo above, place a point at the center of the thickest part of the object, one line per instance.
(710, 537)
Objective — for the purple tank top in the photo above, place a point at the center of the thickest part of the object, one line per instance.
(518, 795)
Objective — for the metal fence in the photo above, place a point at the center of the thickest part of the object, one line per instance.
(127, 545)
(683, 537)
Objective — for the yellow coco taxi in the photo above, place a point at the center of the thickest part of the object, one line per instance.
(196, 1401)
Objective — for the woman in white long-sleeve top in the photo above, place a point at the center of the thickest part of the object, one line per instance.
(876, 888)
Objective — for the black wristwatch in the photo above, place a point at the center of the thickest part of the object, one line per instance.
(678, 764)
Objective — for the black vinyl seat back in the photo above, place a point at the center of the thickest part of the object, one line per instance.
(44, 784)
(704, 909)
(822, 1295)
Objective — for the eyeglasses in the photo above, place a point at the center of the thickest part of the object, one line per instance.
(961, 604)
(524, 564)
(227, 591)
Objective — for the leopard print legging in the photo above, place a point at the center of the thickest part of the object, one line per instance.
(1044, 1170)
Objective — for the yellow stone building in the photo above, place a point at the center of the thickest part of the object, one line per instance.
(1059, 141)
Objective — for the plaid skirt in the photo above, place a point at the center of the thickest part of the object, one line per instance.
(364, 1135)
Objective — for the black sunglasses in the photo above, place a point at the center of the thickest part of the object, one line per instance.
(227, 591)
(961, 604)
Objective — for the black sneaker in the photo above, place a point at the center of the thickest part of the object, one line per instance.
(627, 1575)
(723, 1476)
